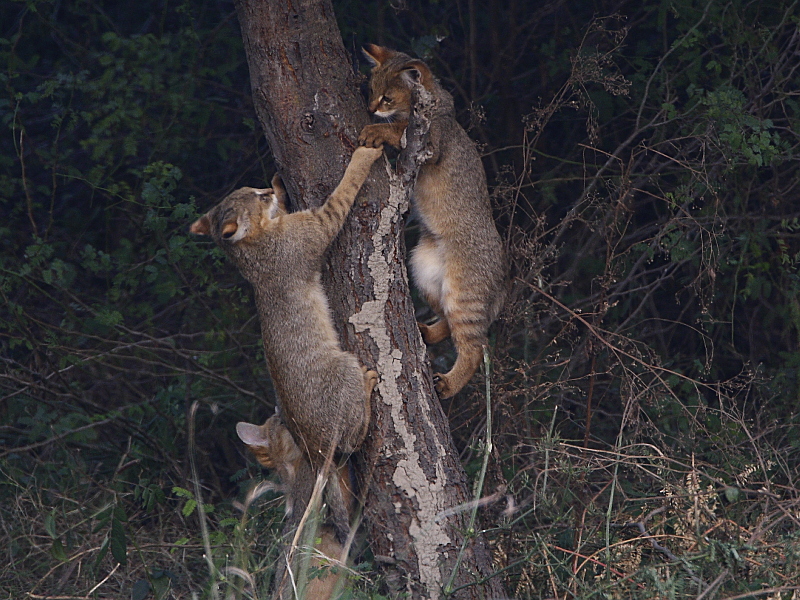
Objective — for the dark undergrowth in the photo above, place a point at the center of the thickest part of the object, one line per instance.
(645, 427)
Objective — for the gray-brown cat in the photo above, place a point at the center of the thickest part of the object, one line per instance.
(459, 264)
(323, 392)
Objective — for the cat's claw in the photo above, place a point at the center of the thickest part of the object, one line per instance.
(442, 385)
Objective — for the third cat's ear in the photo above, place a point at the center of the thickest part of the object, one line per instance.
(376, 55)
(250, 434)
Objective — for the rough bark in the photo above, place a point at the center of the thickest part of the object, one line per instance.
(308, 101)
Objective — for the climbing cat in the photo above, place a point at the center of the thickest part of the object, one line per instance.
(323, 392)
(459, 263)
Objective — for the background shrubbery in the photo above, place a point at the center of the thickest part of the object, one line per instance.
(643, 157)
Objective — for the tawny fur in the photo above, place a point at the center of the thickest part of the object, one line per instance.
(459, 264)
(323, 392)
(274, 448)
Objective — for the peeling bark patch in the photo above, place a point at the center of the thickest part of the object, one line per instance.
(371, 316)
(422, 486)
(428, 533)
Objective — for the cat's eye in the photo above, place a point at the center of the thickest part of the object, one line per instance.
(386, 100)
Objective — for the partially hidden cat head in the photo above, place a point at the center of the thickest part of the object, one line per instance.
(274, 448)
(393, 75)
(242, 215)
(272, 444)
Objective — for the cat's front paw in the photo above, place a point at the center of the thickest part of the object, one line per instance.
(373, 136)
(370, 153)
(370, 380)
(435, 333)
(442, 386)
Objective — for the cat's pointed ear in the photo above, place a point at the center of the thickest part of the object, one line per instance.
(250, 434)
(273, 204)
(417, 72)
(376, 55)
(202, 226)
(279, 190)
(236, 229)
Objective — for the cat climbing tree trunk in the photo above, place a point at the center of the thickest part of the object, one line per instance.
(308, 101)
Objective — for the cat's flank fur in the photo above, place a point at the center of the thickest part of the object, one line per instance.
(459, 263)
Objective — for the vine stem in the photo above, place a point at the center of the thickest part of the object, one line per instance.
(478, 489)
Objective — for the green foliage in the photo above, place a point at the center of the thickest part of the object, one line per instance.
(121, 126)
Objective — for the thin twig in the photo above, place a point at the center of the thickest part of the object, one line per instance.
(19, 449)
(28, 199)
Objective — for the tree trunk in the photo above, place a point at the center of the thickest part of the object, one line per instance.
(308, 101)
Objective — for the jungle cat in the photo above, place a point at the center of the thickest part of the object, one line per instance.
(323, 392)
(274, 448)
(459, 263)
